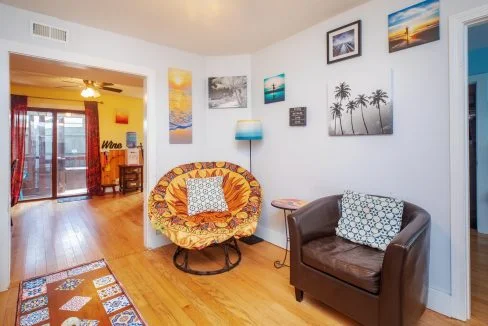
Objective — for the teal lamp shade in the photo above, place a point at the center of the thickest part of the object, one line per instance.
(249, 130)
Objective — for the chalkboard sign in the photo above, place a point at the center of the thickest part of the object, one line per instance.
(298, 116)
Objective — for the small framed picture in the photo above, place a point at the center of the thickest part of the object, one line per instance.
(344, 42)
(298, 117)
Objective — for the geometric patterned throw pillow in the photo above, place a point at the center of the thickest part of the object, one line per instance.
(205, 195)
(369, 220)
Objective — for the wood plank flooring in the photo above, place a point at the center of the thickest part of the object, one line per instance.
(48, 236)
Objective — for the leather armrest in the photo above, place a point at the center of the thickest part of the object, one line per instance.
(405, 272)
(316, 219)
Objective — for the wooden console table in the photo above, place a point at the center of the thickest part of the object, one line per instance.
(130, 178)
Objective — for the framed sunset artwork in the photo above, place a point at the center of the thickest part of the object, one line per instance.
(180, 106)
(122, 116)
(416, 25)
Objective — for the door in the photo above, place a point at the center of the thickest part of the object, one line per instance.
(71, 154)
(38, 166)
(55, 156)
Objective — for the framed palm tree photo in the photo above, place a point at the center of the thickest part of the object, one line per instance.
(227, 92)
(357, 108)
(344, 42)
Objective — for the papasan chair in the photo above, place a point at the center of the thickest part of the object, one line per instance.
(168, 212)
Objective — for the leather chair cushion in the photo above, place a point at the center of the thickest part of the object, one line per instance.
(347, 261)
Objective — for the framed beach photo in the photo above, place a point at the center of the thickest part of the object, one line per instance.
(344, 42)
(416, 25)
(274, 89)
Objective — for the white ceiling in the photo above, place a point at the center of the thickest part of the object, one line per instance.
(38, 72)
(207, 27)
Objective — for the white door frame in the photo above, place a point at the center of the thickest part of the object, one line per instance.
(151, 239)
(459, 160)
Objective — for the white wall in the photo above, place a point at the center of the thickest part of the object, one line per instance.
(481, 150)
(4, 174)
(412, 164)
(96, 47)
(221, 123)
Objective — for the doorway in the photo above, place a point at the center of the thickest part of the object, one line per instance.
(55, 156)
(478, 163)
(460, 304)
(64, 128)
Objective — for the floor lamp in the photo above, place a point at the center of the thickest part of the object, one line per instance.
(249, 130)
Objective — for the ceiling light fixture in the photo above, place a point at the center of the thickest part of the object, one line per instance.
(89, 92)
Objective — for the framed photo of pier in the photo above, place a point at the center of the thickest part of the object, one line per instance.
(344, 42)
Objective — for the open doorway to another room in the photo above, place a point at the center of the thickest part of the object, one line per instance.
(77, 165)
(478, 166)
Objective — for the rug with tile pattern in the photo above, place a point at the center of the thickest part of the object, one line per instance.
(89, 292)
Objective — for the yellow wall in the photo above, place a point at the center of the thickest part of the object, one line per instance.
(109, 130)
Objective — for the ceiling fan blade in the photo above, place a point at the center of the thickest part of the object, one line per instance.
(77, 86)
(111, 89)
(70, 82)
(103, 84)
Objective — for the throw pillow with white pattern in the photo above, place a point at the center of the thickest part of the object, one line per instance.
(369, 220)
(205, 195)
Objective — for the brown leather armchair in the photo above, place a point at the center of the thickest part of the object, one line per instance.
(370, 286)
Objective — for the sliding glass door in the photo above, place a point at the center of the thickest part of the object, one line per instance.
(55, 156)
(38, 165)
(71, 163)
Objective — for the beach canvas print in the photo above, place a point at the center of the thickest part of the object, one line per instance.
(227, 92)
(415, 25)
(358, 108)
(180, 106)
(274, 89)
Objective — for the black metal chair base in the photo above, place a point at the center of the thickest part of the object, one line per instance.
(228, 264)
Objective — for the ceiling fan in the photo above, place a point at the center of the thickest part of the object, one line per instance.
(91, 87)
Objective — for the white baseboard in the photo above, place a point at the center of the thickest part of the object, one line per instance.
(156, 239)
(274, 237)
(438, 301)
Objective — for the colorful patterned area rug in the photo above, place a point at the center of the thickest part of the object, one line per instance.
(86, 295)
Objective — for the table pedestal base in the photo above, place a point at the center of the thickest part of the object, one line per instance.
(279, 264)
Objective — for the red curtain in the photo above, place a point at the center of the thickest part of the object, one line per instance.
(18, 127)
(94, 169)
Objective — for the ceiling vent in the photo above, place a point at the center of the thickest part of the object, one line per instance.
(49, 32)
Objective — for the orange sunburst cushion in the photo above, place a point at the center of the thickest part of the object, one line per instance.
(168, 205)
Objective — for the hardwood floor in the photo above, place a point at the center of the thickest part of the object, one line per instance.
(48, 236)
(479, 276)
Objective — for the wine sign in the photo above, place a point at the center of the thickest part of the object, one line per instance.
(298, 116)
(108, 144)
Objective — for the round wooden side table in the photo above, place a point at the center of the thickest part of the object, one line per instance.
(288, 206)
